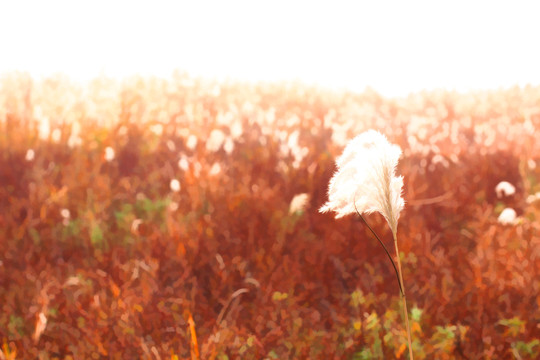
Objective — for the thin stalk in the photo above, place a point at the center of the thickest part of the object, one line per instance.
(399, 276)
(385, 250)
(405, 310)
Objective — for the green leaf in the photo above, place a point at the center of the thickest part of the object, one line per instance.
(357, 298)
(527, 348)
(416, 314)
(34, 234)
(515, 325)
(96, 235)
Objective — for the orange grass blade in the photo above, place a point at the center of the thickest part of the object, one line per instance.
(194, 344)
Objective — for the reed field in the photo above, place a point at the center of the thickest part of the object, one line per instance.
(154, 219)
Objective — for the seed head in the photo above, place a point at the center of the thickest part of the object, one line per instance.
(366, 177)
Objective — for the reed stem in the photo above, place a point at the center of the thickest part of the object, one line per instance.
(404, 298)
(399, 276)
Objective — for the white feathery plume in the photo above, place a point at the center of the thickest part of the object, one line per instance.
(507, 217)
(215, 140)
(366, 181)
(366, 176)
(109, 154)
(533, 198)
(175, 185)
(30, 154)
(504, 188)
(298, 203)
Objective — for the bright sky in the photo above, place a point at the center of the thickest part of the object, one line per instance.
(393, 46)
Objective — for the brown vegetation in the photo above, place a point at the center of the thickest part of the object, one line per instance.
(103, 258)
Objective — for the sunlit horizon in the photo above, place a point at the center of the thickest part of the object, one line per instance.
(391, 47)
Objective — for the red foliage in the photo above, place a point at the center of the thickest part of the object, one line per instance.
(221, 267)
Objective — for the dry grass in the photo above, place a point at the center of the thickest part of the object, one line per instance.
(137, 270)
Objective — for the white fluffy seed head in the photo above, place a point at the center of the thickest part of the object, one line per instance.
(65, 213)
(533, 198)
(228, 146)
(191, 142)
(174, 185)
(215, 169)
(157, 129)
(504, 188)
(30, 154)
(109, 154)
(298, 203)
(507, 217)
(183, 163)
(365, 177)
(215, 140)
